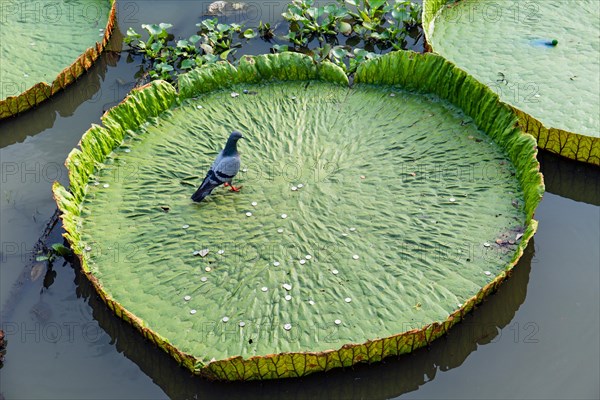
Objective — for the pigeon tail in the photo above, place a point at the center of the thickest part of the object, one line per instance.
(202, 192)
(200, 195)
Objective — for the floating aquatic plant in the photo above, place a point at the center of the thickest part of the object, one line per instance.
(419, 255)
(214, 41)
(377, 25)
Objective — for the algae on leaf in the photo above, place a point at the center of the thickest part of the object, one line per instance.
(371, 220)
(45, 46)
(539, 56)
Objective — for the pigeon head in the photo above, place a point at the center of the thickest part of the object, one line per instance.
(231, 145)
(235, 135)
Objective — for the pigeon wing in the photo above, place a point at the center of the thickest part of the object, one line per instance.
(210, 178)
(225, 168)
(210, 181)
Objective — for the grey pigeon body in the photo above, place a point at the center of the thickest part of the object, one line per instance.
(223, 170)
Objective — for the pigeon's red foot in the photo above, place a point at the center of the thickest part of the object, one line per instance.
(233, 188)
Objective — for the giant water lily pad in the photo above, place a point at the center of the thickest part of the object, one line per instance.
(553, 86)
(371, 217)
(45, 46)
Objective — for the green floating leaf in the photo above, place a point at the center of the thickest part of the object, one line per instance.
(164, 67)
(280, 48)
(132, 33)
(375, 197)
(339, 52)
(345, 27)
(226, 53)
(249, 33)
(61, 250)
(187, 64)
(222, 27)
(375, 4)
(152, 29)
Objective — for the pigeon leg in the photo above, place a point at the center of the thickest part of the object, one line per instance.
(233, 188)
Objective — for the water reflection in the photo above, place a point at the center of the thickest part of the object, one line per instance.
(390, 378)
(570, 179)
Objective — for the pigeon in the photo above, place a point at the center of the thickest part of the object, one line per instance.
(222, 171)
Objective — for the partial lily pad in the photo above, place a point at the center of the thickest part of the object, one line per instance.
(373, 258)
(45, 46)
(540, 56)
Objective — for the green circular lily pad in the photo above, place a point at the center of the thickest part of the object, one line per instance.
(540, 56)
(371, 218)
(44, 46)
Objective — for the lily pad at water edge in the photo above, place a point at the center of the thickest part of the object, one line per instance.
(45, 46)
(540, 56)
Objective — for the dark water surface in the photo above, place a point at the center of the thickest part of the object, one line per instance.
(537, 337)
